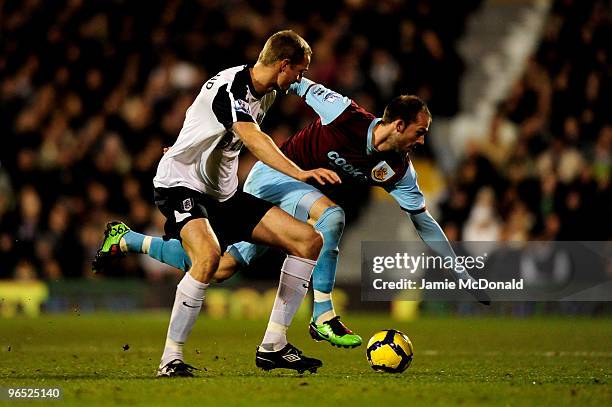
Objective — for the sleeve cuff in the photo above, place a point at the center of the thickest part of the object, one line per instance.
(414, 211)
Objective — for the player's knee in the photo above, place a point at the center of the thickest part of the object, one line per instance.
(205, 262)
(331, 223)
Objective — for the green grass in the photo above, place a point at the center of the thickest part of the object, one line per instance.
(458, 361)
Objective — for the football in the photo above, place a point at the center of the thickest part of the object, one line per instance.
(389, 351)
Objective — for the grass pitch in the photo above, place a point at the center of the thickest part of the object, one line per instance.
(102, 359)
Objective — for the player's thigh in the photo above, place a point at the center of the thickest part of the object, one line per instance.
(287, 193)
(187, 219)
(279, 229)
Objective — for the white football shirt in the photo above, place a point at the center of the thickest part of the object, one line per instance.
(205, 155)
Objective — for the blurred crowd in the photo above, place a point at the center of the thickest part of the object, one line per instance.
(543, 169)
(92, 90)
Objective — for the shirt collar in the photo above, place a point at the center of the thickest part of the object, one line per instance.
(370, 146)
(249, 82)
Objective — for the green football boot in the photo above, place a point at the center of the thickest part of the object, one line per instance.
(110, 245)
(335, 332)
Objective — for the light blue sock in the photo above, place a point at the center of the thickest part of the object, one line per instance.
(169, 252)
(133, 241)
(320, 308)
(331, 225)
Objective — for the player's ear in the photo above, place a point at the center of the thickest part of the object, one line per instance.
(284, 64)
(400, 125)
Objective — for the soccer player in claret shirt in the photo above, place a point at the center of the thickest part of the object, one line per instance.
(196, 190)
(362, 149)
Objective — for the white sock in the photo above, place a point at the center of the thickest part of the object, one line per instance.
(187, 305)
(293, 286)
(146, 244)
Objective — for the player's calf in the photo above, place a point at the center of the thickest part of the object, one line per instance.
(228, 266)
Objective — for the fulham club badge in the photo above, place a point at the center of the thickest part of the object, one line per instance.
(187, 204)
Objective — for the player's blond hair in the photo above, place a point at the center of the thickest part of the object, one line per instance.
(286, 44)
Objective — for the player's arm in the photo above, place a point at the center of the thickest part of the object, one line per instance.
(432, 234)
(262, 146)
(235, 115)
(411, 200)
(325, 102)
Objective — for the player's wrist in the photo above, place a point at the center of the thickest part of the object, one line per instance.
(301, 175)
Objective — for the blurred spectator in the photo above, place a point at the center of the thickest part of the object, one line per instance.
(550, 142)
(483, 224)
(498, 144)
(559, 159)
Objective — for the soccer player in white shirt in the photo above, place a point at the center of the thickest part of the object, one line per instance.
(196, 189)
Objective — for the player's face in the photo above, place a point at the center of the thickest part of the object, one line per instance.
(413, 134)
(291, 73)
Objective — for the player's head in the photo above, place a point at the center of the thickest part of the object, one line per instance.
(409, 118)
(289, 54)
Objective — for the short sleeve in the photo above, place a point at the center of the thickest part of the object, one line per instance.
(229, 110)
(325, 102)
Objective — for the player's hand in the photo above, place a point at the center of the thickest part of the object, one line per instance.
(321, 175)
